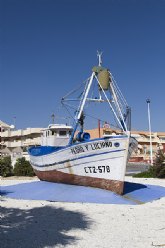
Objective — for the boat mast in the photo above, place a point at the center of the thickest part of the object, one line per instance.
(84, 98)
(81, 107)
(121, 117)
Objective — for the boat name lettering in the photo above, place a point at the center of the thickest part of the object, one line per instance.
(99, 145)
(97, 169)
(77, 149)
(93, 146)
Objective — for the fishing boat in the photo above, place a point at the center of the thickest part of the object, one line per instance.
(69, 155)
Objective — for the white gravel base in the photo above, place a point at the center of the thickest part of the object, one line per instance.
(42, 224)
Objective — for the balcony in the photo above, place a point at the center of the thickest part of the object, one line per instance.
(16, 133)
(14, 144)
(29, 131)
(147, 139)
(32, 142)
(20, 132)
(5, 134)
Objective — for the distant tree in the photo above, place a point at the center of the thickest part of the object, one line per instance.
(6, 168)
(159, 165)
(23, 168)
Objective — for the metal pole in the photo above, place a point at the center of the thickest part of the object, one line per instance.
(149, 124)
(99, 128)
(14, 120)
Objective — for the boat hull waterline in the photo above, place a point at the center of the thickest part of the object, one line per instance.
(97, 163)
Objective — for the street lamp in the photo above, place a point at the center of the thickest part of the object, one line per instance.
(149, 124)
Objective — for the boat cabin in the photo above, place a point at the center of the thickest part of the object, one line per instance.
(56, 135)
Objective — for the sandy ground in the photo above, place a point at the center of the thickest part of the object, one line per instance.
(42, 224)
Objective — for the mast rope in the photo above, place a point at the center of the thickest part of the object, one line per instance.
(88, 115)
(76, 89)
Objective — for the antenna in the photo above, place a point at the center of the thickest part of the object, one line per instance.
(53, 117)
(99, 55)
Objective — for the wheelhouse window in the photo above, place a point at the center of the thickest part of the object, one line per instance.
(62, 133)
(54, 133)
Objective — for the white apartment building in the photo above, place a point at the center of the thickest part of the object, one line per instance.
(14, 143)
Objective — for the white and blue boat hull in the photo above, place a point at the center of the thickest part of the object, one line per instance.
(98, 163)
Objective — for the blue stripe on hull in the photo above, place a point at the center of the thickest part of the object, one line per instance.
(81, 157)
(97, 161)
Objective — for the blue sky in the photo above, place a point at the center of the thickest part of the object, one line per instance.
(47, 47)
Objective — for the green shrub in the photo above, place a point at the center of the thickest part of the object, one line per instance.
(23, 168)
(145, 174)
(158, 168)
(159, 165)
(6, 168)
